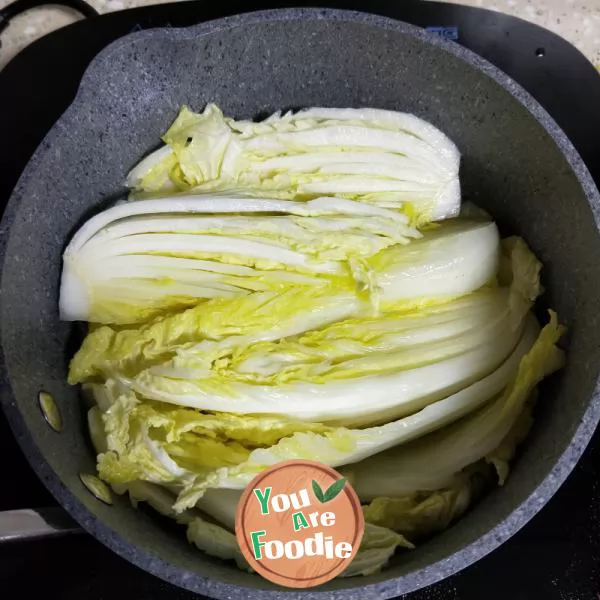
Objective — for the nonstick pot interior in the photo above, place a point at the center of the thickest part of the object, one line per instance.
(516, 164)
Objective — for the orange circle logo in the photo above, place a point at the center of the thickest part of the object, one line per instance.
(299, 524)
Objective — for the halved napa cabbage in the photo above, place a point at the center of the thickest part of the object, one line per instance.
(340, 446)
(130, 266)
(137, 260)
(221, 324)
(431, 462)
(381, 157)
(402, 361)
(393, 389)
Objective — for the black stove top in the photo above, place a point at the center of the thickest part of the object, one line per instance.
(557, 555)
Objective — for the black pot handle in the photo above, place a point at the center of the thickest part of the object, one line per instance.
(12, 10)
(27, 524)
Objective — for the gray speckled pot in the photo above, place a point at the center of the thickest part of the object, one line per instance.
(516, 163)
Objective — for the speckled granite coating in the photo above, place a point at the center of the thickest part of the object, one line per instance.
(516, 163)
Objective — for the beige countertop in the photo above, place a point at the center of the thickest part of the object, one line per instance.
(576, 20)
